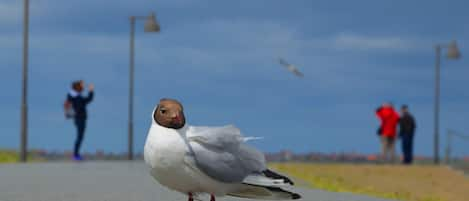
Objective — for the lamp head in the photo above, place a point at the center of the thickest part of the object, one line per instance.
(453, 51)
(151, 25)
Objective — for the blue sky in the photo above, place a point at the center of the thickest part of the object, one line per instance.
(219, 58)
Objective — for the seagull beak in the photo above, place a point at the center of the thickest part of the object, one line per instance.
(177, 118)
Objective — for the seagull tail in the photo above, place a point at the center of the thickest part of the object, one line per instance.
(266, 186)
(245, 139)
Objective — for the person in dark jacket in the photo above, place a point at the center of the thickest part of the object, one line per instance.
(79, 103)
(406, 132)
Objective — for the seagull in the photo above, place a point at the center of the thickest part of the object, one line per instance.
(196, 160)
(290, 67)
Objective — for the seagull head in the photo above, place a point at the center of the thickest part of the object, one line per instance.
(169, 113)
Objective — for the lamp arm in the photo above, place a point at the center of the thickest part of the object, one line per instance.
(139, 17)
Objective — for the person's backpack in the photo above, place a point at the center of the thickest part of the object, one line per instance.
(68, 110)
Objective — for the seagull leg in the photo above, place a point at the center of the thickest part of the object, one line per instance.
(212, 197)
(190, 197)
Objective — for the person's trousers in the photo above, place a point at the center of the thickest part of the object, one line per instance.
(387, 148)
(407, 148)
(80, 123)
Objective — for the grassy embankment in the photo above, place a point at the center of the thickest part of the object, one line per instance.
(406, 183)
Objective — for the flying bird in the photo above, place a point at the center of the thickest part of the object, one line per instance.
(290, 67)
(208, 160)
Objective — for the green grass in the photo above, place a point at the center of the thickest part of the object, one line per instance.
(10, 156)
(7, 156)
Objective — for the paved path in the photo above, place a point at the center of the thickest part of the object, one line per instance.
(106, 181)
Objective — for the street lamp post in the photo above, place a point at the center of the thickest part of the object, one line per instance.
(151, 25)
(24, 94)
(453, 53)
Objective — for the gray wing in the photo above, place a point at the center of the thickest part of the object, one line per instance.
(226, 137)
(220, 153)
(295, 71)
(283, 62)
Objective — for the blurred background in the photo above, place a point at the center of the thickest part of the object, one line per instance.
(220, 59)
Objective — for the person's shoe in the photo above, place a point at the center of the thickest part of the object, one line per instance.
(77, 158)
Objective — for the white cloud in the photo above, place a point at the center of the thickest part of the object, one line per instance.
(360, 42)
(10, 12)
(218, 42)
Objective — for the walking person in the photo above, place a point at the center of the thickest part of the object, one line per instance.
(406, 132)
(78, 103)
(389, 119)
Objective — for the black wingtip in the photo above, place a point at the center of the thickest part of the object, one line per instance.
(295, 196)
(274, 175)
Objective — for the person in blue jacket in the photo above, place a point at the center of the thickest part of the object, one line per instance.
(78, 103)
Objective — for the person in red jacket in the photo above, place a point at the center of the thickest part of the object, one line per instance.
(389, 120)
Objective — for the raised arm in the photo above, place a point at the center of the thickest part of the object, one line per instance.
(90, 94)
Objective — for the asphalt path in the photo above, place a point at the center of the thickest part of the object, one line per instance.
(108, 181)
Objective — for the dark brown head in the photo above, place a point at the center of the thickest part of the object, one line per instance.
(78, 85)
(170, 114)
(404, 109)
